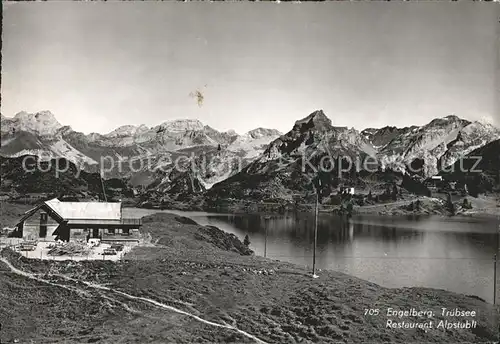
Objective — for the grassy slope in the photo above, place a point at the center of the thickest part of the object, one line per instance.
(189, 267)
(10, 213)
(482, 206)
(30, 310)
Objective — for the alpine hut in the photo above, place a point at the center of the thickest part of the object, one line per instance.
(76, 221)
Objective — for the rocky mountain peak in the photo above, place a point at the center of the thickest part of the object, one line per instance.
(41, 123)
(180, 125)
(369, 131)
(447, 121)
(389, 129)
(64, 130)
(142, 128)
(21, 114)
(41, 115)
(315, 121)
(93, 137)
(124, 130)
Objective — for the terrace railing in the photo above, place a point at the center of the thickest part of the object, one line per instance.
(131, 221)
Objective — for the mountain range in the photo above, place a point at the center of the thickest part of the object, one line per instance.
(179, 158)
(314, 150)
(480, 169)
(136, 152)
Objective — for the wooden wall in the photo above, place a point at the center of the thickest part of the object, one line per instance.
(31, 228)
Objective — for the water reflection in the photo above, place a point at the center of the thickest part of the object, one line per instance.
(392, 251)
(447, 253)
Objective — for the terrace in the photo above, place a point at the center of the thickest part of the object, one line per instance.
(121, 234)
(45, 251)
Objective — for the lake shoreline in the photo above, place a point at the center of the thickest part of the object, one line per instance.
(429, 206)
(374, 237)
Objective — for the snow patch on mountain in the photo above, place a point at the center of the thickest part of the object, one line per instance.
(208, 183)
(262, 133)
(253, 143)
(42, 154)
(124, 130)
(63, 149)
(57, 149)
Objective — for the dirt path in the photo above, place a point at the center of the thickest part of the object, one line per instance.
(383, 205)
(128, 296)
(375, 208)
(36, 278)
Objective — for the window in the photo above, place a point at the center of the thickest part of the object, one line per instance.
(126, 231)
(111, 231)
(43, 216)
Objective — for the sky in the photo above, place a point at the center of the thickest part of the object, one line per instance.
(99, 65)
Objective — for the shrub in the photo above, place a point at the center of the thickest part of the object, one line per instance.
(415, 186)
(246, 241)
(394, 194)
(349, 209)
(335, 200)
(466, 204)
(418, 205)
(449, 205)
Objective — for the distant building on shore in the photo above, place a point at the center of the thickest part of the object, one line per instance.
(346, 190)
(434, 182)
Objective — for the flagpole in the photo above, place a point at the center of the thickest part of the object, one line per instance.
(265, 240)
(102, 185)
(495, 280)
(495, 267)
(315, 230)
